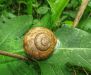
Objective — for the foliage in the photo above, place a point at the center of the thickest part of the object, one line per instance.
(85, 24)
(73, 50)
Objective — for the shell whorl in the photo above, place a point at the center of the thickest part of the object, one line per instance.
(42, 41)
(39, 42)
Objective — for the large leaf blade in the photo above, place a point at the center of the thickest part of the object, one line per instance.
(73, 38)
(12, 31)
(74, 48)
(63, 57)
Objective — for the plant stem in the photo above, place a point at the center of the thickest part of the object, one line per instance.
(19, 8)
(13, 55)
(85, 71)
(80, 12)
(74, 72)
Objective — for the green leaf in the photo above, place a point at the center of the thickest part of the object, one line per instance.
(29, 6)
(73, 38)
(12, 31)
(57, 7)
(45, 21)
(42, 10)
(17, 68)
(58, 63)
(73, 48)
(85, 24)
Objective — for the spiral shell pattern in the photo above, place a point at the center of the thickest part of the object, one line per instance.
(39, 42)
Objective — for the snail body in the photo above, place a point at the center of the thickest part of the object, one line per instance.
(39, 42)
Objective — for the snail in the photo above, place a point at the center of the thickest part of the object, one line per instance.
(39, 42)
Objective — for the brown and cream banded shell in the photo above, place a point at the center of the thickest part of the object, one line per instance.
(39, 42)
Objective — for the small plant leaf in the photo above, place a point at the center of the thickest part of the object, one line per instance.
(42, 10)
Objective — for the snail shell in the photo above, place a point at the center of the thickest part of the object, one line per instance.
(39, 42)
